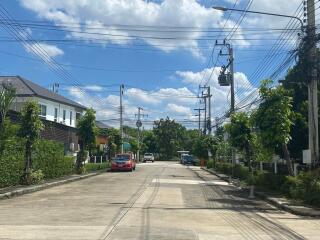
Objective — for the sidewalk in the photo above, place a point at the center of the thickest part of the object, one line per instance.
(278, 201)
(15, 191)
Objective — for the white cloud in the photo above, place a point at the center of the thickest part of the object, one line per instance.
(112, 15)
(220, 95)
(173, 102)
(48, 51)
(174, 108)
(141, 96)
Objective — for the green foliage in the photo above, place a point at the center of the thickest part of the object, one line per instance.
(203, 144)
(81, 158)
(87, 130)
(48, 156)
(134, 145)
(7, 95)
(274, 118)
(34, 177)
(210, 164)
(11, 164)
(240, 134)
(169, 135)
(31, 125)
(305, 187)
(259, 152)
(90, 167)
(114, 141)
(149, 142)
(269, 180)
(224, 151)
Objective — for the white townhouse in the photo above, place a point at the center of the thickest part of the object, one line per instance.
(58, 113)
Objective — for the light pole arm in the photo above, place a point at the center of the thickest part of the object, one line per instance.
(261, 13)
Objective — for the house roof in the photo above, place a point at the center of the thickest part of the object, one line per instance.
(27, 88)
(102, 125)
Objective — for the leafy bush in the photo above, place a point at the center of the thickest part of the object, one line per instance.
(11, 164)
(210, 164)
(241, 172)
(89, 167)
(49, 157)
(34, 177)
(305, 187)
(269, 180)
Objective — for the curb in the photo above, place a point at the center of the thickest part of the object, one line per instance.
(35, 188)
(283, 205)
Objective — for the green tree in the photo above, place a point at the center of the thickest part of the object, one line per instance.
(274, 118)
(169, 135)
(149, 142)
(203, 144)
(296, 82)
(7, 95)
(114, 141)
(31, 126)
(240, 134)
(134, 145)
(87, 131)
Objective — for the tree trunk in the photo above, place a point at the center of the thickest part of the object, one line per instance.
(248, 158)
(288, 159)
(27, 163)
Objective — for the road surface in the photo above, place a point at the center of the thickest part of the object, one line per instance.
(160, 200)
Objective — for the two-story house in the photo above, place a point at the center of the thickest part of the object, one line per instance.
(59, 114)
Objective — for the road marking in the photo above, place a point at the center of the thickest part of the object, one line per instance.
(192, 182)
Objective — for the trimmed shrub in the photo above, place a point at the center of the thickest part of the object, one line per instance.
(241, 172)
(269, 180)
(210, 164)
(90, 167)
(11, 164)
(48, 156)
(305, 187)
(34, 177)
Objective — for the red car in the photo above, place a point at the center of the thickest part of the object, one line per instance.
(123, 162)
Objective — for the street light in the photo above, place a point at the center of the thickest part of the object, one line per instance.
(224, 9)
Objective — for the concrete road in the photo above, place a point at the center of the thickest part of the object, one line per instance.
(158, 201)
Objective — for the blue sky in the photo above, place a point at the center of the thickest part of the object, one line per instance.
(160, 74)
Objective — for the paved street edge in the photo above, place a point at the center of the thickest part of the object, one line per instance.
(35, 188)
(277, 202)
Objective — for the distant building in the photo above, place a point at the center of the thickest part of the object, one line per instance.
(58, 113)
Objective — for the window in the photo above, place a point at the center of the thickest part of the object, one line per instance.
(43, 110)
(64, 116)
(78, 116)
(55, 114)
(70, 118)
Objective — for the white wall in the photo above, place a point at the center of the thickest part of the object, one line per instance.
(50, 111)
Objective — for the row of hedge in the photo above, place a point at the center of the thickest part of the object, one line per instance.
(48, 160)
(90, 167)
(305, 187)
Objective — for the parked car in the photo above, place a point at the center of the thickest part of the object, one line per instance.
(148, 157)
(123, 162)
(188, 160)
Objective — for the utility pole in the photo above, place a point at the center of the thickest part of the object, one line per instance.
(312, 85)
(199, 118)
(205, 114)
(209, 119)
(121, 116)
(207, 108)
(227, 79)
(139, 125)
